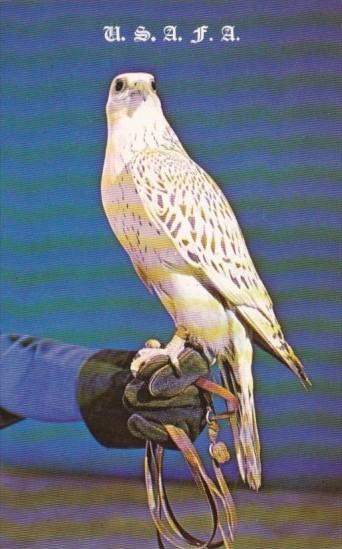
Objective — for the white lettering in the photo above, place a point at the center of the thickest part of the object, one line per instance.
(200, 32)
(170, 33)
(228, 34)
(141, 34)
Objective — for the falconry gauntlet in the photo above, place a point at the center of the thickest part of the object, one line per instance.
(123, 412)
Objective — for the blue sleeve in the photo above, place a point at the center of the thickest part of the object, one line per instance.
(38, 377)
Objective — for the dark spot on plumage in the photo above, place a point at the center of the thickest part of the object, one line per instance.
(235, 280)
(172, 199)
(213, 244)
(223, 246)
(175, 231)
(226, 259)
(213, 264)
(234, 247)
(204, 239)
(183, 208)
(193, 235)
(193, 257)
(244, 281)
(185, 242)
(171, 221)
(192, 221)
(160, 201)
(164, 215)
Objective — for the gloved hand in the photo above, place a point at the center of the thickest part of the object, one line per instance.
(122, 412)
(158, 396)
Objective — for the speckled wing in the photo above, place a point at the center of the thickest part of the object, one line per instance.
(186, 204)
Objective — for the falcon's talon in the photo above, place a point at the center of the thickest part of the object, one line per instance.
(152, 344)
(152, 349)
(142, 357)
(195, 343)
(145, 355)
(175, 365)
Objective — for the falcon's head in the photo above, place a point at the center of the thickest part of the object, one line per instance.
(131, 92)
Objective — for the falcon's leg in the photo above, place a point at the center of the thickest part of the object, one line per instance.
(153, 348)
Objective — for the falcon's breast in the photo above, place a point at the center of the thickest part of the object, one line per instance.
(150, 249)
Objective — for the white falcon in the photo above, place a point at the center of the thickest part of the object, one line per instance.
(186, 245)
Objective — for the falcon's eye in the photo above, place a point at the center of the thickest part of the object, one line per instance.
(119, 85)
(153, 85)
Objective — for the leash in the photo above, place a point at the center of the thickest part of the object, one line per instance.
(217, 493)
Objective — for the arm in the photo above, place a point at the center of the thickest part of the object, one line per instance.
(38, 377)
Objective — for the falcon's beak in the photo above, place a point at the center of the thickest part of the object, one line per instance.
(140, 85)
(141, 88)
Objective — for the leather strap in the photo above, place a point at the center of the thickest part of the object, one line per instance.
(217, 494)
(215, 389)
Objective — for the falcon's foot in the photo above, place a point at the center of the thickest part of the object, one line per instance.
(198, 345)
(153, 349)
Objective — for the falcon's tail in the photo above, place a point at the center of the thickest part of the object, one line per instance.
(268, 334)
(290, 359)
(244, 426)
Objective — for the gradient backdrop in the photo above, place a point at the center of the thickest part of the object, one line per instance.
(261, 115)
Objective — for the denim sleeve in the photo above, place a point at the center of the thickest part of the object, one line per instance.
(39, 377)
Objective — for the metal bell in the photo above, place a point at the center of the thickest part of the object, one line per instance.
(219, 452)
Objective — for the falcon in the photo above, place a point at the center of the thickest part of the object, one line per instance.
(186, 246)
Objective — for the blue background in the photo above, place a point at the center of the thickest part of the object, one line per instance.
(261, 115)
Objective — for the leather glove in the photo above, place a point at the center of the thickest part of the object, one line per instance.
(122, 412)
(158, 396)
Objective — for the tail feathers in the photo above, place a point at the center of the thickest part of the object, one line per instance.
(247, 445)
(292, 361)
(245, 434)
(268, 334)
